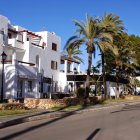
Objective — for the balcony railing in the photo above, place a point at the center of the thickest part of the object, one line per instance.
(19, 62)
(36, 45)
(27, 63)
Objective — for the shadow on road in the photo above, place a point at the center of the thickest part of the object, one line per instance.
(18, 133)
(128, 108)
(93, 134)
(21, 119)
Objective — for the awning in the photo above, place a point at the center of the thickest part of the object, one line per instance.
(26, 72)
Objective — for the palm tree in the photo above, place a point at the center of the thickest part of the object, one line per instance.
(72, 50)
(112, 25)
(96, 31)
(88, 32)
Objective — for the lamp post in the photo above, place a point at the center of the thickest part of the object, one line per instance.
(3, 56)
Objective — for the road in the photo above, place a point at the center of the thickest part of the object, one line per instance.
(119, 123)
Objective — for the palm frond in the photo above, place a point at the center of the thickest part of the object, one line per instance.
(71, 39)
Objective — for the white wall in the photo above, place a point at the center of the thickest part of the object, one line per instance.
(47, 54)
(26, 54)
(138, 78)
(4, 27)
(62, 82)
(114, 85)
(10, 82)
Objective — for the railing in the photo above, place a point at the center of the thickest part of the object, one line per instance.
(22, 62)
(38, 45)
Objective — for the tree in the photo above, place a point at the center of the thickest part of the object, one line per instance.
(111, 25)
(122, 64)
(135, 49)
(91, 33)
(72, 50)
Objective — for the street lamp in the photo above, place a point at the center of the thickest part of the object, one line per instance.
(3, 56)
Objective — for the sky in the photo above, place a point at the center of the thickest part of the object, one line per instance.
(58, 15)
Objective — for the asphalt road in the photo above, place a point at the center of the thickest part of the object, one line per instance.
(121, 123)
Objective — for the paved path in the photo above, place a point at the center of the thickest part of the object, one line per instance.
(120, 123)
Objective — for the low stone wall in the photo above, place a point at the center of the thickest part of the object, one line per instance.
(49, 103)
(12, 106)
(131, 97)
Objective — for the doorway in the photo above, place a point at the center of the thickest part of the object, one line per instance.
(19, 89)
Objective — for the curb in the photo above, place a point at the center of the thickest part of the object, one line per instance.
(59, 114)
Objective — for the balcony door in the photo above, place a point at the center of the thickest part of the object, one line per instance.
(20, 89)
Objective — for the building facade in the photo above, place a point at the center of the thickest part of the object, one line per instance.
(33, 60)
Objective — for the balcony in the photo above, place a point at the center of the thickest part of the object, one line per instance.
(16, 43)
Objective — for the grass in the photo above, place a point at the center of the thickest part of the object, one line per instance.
(16, 112)
(72, 107)
(75, 107)
(110, 101)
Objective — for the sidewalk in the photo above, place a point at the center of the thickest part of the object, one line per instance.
(6, 121)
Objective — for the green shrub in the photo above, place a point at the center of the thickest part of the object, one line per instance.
(80, 93)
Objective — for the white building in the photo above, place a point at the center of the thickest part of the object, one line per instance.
(71, 68)
(33, 60)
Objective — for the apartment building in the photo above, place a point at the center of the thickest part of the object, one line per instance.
(33, 60)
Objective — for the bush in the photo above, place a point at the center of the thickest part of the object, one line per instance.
(80, 93)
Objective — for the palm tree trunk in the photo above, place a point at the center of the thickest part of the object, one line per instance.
(104, 78)
(117, 78)
(68, 67)
(88, 74)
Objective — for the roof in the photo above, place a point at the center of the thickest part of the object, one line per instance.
(65, 57)
(82, 78)
(13, 30)
(26, 72)
(31, 33)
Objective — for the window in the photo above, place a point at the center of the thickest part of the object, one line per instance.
(20, 37)
(19, 88)
(54, 65)
(9, 35)
(27, 38)
(2, 33)
(49, 88)
(54, 47)
(37, 61)
(55, 87)
(30, 88)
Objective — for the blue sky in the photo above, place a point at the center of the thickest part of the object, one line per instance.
(57, 15)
